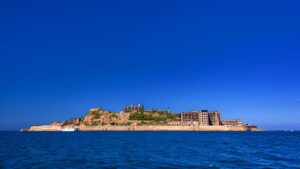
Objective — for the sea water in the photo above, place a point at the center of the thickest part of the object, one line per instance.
(149, 150)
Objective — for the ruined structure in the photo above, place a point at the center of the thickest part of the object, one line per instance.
(133, 108)
(214, 118)
(232, 123)
(201, 117)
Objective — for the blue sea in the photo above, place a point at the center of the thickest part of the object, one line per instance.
(149, 150)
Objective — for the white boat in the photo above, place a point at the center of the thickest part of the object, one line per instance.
(68, 129)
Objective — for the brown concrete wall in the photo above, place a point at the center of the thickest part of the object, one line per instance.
(45, 128)
(188, 128)
(106, 128)
(144, 128)
(164, 128)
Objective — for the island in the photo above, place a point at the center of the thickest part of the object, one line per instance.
(136, 118)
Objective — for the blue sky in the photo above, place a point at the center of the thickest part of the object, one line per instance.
(60, 58)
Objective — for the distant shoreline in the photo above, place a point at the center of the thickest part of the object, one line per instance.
(137, 118)
(144, 128)
(152, 131)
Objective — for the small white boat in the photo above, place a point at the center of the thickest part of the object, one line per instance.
(68, 129)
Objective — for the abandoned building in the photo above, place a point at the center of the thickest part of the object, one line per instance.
(232, 123)
(132, 108)
(199, 117)
(214, 118)
(202, 118)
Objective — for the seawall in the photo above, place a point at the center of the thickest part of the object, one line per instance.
(146, 128)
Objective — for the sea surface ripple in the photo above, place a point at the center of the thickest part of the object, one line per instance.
(150, 150)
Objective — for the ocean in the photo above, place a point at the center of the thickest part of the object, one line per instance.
(95, 150)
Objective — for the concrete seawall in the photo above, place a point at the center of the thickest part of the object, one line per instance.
(44, 128)
(145, 128)
(165, 128)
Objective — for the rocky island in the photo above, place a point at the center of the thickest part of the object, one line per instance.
(136, 118)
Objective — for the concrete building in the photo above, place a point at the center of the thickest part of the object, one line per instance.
(155, 111)
(132, 108)
(232, 123)
(214, 118)
(189, 116)
(202, 118)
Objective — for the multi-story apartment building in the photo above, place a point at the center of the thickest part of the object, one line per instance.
(214, 118)
(202, 118)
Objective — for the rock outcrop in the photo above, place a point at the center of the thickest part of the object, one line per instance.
(99, 117)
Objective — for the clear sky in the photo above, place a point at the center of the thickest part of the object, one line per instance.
(60, 58)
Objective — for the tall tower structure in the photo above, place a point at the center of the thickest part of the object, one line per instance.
(214, 118)
(203, 118)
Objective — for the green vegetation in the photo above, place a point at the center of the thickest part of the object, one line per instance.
(140, 116)
(160, 118)
(114, 115)
(173, 117)
(94, 124)
(96, 115)
(141, 123)
(156, 115)
(124, 124)
(162, 112)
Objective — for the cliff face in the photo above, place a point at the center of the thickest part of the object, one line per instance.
(99, 117)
